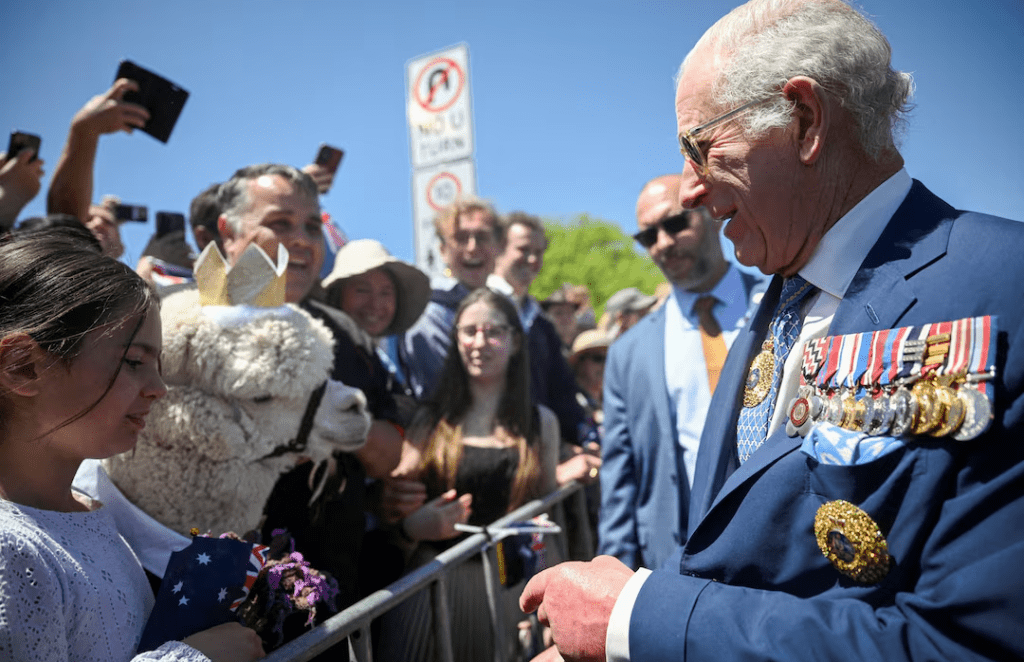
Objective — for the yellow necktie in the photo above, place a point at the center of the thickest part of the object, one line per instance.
(711, 338)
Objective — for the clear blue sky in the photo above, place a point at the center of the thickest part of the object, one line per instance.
(573, 101)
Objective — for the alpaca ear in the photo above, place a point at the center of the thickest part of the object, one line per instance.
(21, 363)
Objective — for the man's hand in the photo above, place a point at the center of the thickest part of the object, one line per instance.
(321, 175)
(19, 183)
(576, 600)
(107, 113)
(549, 655)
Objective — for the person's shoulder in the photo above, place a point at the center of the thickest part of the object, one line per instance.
(547, 416)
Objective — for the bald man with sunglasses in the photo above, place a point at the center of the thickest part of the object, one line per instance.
(659, 379)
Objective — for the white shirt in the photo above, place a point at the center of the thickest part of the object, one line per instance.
(686, 373)
(831, 269)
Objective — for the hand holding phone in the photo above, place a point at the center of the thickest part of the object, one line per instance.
(130, 213)
(19, 141)
(21, 174)
(324, 166)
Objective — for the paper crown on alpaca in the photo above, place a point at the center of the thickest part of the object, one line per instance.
(254, 280)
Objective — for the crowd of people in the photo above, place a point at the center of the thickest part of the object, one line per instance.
(825, 465)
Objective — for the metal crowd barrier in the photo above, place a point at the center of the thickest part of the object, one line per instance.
(354, 622)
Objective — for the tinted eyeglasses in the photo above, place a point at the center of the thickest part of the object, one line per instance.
(673, 224)
(493, 333)
(688, 139)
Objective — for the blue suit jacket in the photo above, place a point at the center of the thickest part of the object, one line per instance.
(752, 583)
(641, 501)
(645, 497)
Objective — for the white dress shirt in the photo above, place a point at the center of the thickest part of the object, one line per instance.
(831, 269)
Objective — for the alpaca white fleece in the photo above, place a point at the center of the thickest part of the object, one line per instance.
(236, 393)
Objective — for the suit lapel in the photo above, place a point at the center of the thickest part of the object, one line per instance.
(716, 458)
(880, 295)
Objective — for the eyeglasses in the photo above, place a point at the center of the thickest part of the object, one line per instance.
(493, 333)
(688, 146)
(671, 225)
(482, 237)
(594, 358)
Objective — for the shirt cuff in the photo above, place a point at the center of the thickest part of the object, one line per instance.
(616, 643)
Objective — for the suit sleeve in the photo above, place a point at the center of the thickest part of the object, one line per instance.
(617, 534)
(959, 594)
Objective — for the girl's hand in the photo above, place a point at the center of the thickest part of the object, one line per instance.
(230, 642)
(436, 519)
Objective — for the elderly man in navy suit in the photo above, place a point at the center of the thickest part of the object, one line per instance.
(860, 491)
(659, 379)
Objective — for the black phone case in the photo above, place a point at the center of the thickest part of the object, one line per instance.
(20, 140)
(162, 98)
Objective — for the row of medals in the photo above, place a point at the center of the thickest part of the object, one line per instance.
(937, 405)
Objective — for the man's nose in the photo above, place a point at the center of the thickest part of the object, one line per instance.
(692, 187)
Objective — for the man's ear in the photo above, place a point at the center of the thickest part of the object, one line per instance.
(21, 363)
(812, 111)
(224, 228)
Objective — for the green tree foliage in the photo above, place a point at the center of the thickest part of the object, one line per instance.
(595, 253)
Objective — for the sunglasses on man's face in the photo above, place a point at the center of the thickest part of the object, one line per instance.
(673, 224)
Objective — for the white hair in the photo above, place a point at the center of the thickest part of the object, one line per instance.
(764, 43)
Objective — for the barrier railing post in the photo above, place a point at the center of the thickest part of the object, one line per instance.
(497, 615)
(433, 577)
(442, 617)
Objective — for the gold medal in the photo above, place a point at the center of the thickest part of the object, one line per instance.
(929, 411)
(853, 413)
(953, 411)
(759, 379)
(852, 542)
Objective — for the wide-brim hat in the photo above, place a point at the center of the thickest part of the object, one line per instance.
(629, 300)
(587, 341)
(357, 257)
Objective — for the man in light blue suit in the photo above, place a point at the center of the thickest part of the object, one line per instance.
(901, 541)
(657, 385)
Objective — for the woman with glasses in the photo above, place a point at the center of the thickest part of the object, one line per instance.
(482, 449)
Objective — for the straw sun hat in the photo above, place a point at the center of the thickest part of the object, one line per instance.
(412, 286)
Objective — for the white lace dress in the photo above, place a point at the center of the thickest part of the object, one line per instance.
(72, 589)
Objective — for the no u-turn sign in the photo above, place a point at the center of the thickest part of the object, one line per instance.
(438, 107)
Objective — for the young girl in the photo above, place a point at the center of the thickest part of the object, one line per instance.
(79, 369)
(486, 450)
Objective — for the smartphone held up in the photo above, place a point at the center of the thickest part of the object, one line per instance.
(329, 159)
(162, 98)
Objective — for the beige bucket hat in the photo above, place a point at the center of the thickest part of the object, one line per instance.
(363, 255)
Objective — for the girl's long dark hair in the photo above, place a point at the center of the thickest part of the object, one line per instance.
(516, 414)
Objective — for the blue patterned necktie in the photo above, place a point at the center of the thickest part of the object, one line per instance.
(752, 428)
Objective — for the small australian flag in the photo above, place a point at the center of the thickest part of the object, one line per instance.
(202, 587)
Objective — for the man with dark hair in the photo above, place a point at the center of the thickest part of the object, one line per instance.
(203, 214)
(857, 492)
(471, 239)
(551, 380)
(271, 204)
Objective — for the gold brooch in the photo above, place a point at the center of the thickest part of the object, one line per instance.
(759, 379)
(852, 542)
